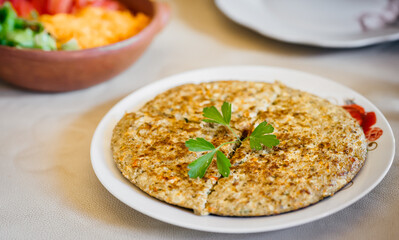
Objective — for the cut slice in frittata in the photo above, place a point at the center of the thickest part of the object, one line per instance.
(150, 151)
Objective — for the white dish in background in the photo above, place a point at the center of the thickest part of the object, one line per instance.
(323, 23)
(377, 164)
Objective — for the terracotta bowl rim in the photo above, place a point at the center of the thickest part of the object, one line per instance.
(149, 31)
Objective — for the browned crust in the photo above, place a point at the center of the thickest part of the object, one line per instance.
(322, 148)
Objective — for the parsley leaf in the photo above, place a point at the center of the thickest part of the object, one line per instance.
(199, 145)
(226, 111)
(260, 136)
(214, 116)
(223, 164)
(199, 166)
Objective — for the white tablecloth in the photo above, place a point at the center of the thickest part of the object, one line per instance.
(48, 189)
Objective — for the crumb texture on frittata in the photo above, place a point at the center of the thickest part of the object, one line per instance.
(321, 148)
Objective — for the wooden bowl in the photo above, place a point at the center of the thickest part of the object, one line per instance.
(58, 71)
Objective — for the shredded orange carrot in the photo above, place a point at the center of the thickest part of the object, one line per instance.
(94, 27)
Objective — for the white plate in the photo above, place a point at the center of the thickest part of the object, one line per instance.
(377, 164)
(322, 23)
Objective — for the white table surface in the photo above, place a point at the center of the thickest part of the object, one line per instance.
(48, 189)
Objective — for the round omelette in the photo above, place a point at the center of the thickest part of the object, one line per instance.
(321, 148)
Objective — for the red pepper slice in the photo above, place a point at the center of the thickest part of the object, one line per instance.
(368, 120)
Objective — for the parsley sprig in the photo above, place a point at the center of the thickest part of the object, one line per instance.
(260, 136)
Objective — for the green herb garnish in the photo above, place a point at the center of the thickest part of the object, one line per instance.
(260, 136)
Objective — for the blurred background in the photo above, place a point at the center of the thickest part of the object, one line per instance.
(48, 188)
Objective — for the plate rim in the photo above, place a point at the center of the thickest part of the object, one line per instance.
(105, 182)
(357, 43)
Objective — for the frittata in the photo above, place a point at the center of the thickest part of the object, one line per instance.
(321, 149)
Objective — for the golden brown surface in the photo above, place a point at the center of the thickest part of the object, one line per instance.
(150, 152)
(321, 149)
(187, 101)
